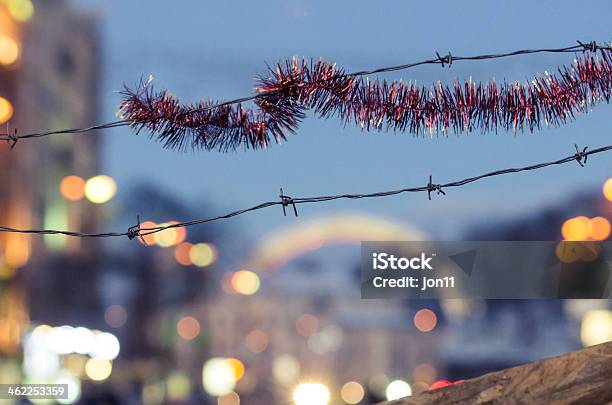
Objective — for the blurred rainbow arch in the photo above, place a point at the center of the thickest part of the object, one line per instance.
(284, 245)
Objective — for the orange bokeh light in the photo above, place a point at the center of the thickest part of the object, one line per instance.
(6, 110)
(425, 320)
(256, 341)
(600, 228)
(607, 189)
(181, 254)
(577, 228)
(149, 239)
(307, 324)
(72, 188)
(188, 328)
(238, 367)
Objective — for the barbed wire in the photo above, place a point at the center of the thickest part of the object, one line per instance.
(447, 60)
(580, 156)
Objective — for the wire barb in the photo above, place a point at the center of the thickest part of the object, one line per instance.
(281, 106)
(135, 231)
(580, 155)
(285, 201)
(448, 59)
(589, 46)
(433, 187)
(12, 138)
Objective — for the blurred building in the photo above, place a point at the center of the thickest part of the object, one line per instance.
(48, 80)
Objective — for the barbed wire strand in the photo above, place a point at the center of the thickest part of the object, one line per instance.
(592, 46)
(579, 156)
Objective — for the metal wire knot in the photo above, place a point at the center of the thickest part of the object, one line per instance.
(580, 155)
(12, 138)
(285, 201)
(448, 59)
(433, 187)
(134, 231)
(589, 46)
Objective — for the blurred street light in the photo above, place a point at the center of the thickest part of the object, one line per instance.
(311, 394)
(596, 327)
(398, 389)
(218, 377)
(98, 369)
(72, 188)
(6, 108)
(100, 189)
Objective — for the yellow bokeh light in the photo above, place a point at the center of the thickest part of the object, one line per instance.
(311, 394)
(72, 188)
(202, 254)
(567, 252)
(600, 228)
(245, 282)
(21, 10)
(352, 392)
(6, 110)
(596, 327)
(171, 236)
(98, 369)
(577, 228)
(238, 367)
(9, 50)
(100, 189)
(607, 189)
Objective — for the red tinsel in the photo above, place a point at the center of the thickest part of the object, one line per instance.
(294, 87)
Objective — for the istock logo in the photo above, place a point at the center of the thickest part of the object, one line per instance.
(384, 261)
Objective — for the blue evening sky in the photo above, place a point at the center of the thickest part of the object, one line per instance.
(201, 49)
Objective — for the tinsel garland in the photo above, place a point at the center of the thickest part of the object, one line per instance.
(293, 87)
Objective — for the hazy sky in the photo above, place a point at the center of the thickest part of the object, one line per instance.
(201, 49)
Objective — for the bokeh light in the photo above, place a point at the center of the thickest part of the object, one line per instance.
(424, 372)
(100, 189)
(72, 188)
(398, 389)
(188, 328)
(352, 392)
(600, 228)
(425, 320)
(21, 10)
(181, 254)
(237, 366)
(245, 282)
(607, 189)
(202, 254)
(311, 394)
(285, 369)
(178, 386)
(229, 399)
(577, 228)
(596, 327)
(307, 324)
(440, 384)
(150, 238)
(256, 341)
(74, 387)
(171, 236)
(106, 346)
(9, 51)
(115, 316)
(6, 109)
(218, 377)
(98, 369)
